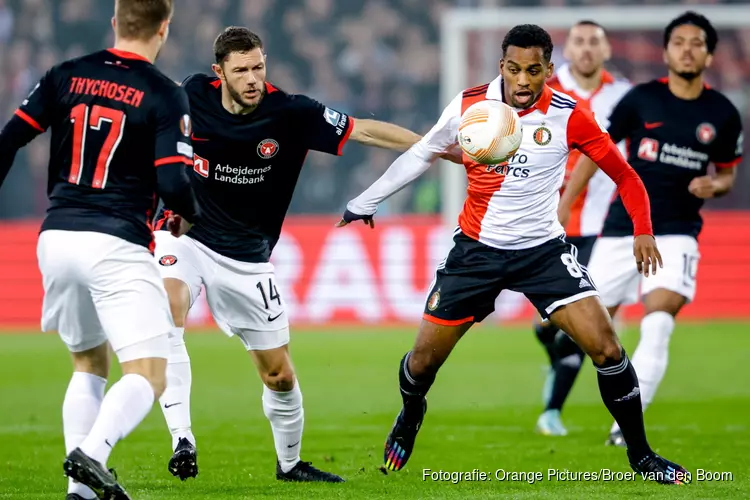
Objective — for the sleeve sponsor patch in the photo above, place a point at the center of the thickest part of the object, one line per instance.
(332, 116)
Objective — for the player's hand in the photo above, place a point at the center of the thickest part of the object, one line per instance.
(351, 217)
(702, 187)
(177, 225)
(646, 254)
(454, 155)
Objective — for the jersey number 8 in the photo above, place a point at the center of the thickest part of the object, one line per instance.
(571, 264)
(84, 118)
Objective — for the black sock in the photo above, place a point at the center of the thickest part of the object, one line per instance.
(567, 366)
(618, 385)
(546, 335)
(413, 389)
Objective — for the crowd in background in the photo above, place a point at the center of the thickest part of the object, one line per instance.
(369, 58)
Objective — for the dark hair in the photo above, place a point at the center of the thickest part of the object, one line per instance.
(526, 36)
(690, 17)
(589, 22)
(141, 19)
(235, 39)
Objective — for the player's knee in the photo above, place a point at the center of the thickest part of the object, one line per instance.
(148, 359)
(607, 351)
(94, 361)
(281, 380)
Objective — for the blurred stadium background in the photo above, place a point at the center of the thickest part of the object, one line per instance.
(369, 58)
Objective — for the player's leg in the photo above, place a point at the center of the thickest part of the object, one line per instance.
(68, 309)
(133, 309)
(180, 267)
(616, 277)
(83, 398)
(416, 373)
(463, 293)
(664, 295)
(567, 359)
(589, 324)
(282, 403)
(246, 302)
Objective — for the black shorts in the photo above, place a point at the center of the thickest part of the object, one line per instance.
(470, 279)
(585, 245)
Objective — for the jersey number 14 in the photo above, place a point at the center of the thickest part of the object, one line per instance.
(85, 118)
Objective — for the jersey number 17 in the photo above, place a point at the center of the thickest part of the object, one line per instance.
(85, 118)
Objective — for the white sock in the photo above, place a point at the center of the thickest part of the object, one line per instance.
(125, 405)
(284, 411)
(80, 408)
(175, 401)
(652, 354)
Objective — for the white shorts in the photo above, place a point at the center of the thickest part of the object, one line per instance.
(613, 269)
(242, 296)
(100, 288)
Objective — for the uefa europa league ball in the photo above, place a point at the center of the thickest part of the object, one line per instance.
(490, 132)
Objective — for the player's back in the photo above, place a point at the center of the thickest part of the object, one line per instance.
(103, 110)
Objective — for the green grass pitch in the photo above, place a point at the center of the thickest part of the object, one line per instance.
(482, 412)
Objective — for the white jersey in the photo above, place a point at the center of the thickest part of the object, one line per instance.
(514, 206)
(590, 208)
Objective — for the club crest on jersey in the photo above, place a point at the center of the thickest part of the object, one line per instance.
(434, 301)
(168, 260)
(705, 133)
(268, 148)
(542, 136)
(186, 126)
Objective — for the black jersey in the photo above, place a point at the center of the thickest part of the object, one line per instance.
(114, 119)
(246, 166)
(671, 141)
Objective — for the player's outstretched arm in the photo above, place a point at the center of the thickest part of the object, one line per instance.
(585, 134)
(16, 134)
(407, 167)
(582, 173)
(383, 135)
(439, 142)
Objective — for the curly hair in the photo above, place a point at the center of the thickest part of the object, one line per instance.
(698, 20)
(526, 36)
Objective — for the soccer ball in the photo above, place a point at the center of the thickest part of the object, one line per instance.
(490, 132)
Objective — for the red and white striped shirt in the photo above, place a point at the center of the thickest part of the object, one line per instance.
(590, 207)
(514, 205)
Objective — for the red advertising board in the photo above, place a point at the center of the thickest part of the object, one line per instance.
(357, 275)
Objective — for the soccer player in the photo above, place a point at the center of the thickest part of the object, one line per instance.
(120, 138)
(250, 141)
(509, 236)
(585, 80)
(675, 127)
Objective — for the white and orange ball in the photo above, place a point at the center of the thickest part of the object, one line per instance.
(490, 132)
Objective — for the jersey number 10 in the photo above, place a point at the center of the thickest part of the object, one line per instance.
(84, 118)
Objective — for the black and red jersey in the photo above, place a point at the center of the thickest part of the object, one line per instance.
(115, 119)
(670, 142)
(246, 166)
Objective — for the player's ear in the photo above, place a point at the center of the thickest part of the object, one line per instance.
(218, 71)
(607, 50)
(550, 69)
(501, 66)
(709, 60)
(163, 29)
(114, 24)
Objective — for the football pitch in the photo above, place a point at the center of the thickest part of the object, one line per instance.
(481, 415)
